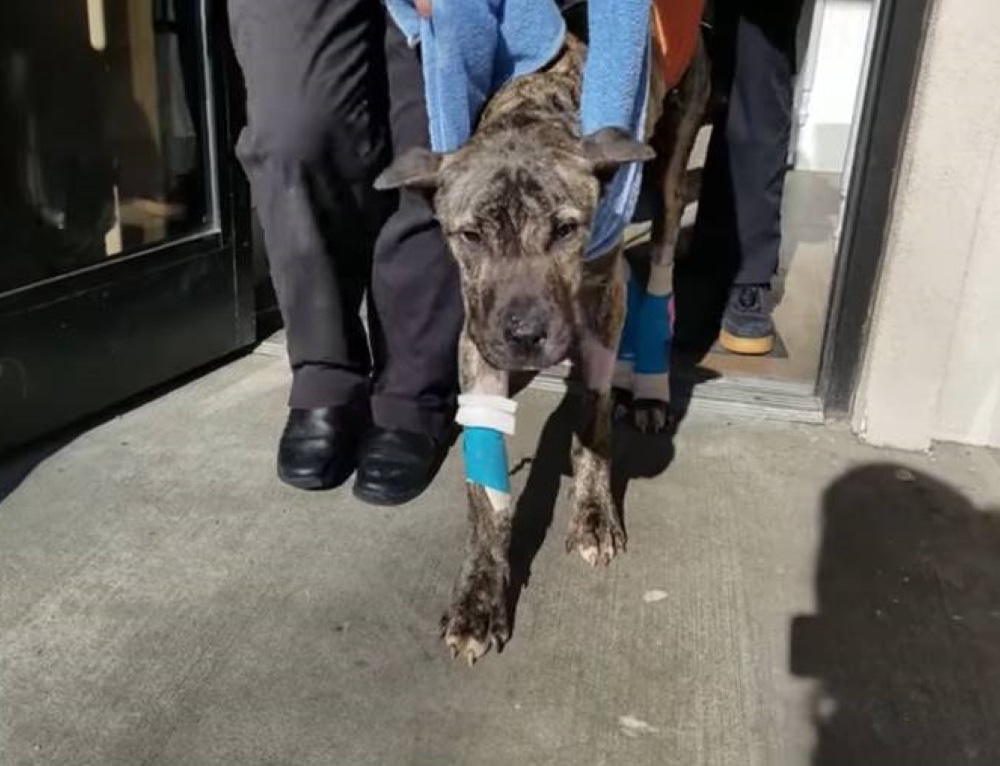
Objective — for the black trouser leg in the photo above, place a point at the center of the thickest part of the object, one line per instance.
(739, 218)
(333, 90)
(316, 138)
(415, 281)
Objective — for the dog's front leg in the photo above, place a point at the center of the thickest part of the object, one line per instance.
(653, 325)
(595, 530)
(477, 618)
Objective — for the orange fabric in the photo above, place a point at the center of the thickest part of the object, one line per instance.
(676, 26)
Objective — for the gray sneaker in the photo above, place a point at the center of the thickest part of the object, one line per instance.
(746, 324)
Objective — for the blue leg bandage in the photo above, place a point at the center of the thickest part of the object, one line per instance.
(651, 376)
(629, 343)
(485, 419)
(485, 456)
(654, 335)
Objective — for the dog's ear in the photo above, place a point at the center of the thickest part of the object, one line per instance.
(609, 148)
(416, 168)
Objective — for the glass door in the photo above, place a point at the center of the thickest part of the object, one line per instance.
(124, 222)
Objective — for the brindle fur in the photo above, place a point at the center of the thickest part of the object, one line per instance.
(515, 203)
(674, 130)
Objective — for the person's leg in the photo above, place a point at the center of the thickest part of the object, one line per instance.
(704, 276)
(415, 282)
(757, 132)
(314, 142)
(418, 315)
(738, 233)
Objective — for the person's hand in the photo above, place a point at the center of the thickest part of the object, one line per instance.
(423, 8)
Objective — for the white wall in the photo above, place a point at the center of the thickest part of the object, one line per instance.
(829, 83)
(932, 364)
(969, 406)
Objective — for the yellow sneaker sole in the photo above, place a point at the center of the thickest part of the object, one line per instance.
(746, 346)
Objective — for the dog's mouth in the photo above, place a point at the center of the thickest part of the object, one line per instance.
(507, 357)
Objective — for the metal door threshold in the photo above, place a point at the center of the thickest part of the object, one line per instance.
(727, 395)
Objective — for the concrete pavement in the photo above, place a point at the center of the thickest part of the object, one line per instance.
(789, 597)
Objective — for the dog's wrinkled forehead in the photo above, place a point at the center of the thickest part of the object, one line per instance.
(520, 172)
(509, 187)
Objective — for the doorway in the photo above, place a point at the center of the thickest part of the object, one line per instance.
(834, 47)
(857, 65)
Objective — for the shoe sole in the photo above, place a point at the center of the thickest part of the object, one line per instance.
(336, 477)
(746, 346)
(382, 499)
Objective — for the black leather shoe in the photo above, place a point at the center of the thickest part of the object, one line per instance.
(396, 466)
(319, 447)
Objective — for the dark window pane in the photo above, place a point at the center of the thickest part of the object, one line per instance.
(104, 145)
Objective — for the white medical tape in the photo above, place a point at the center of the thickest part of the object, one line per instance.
(487, 411)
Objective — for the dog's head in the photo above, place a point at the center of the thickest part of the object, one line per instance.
(516, 212)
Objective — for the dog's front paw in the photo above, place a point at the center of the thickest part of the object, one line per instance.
(477, 619)
(651, 416)
(596, 533)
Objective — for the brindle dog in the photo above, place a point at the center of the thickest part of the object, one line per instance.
(516, 203)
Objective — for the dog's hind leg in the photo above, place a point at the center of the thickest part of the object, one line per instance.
(673, 139)
(477, 617)
(595, 530)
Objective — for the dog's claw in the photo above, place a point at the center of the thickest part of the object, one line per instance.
(472, 627)
(597, 536)
(622, 404)
(650, 416)
(469, 648)
(593, 556)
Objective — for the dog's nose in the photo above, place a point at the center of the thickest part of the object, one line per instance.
(525, 328)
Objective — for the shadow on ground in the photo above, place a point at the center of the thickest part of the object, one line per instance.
(906, 642)
(634, 455)
(17, 466)
(19, 463)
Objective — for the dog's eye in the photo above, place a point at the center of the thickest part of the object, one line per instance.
(470, 236)
(564, 230)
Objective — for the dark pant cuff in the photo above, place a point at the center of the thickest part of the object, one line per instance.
(316, 386)
(432, 419)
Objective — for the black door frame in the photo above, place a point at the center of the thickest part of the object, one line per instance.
(76, 344)
(888, 99)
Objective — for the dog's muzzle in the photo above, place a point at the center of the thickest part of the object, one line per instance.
(527, 334)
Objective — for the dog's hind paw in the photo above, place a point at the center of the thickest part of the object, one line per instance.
(596, 534)
(651, 416)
